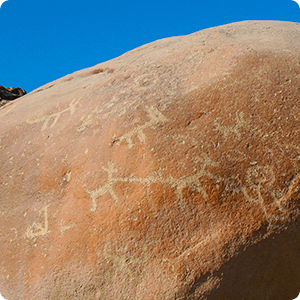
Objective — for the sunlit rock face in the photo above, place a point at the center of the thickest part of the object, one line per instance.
(171, 172)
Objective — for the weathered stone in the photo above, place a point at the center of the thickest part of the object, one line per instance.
(10, 93)
(171, 172)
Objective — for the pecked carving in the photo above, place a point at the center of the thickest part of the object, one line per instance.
(170, 172)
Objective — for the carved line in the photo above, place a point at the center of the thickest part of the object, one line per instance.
(156, 117)
(54, 116)
(179, 184)
(293, 188)
(240, 123)
(64, 228)
(39, 229)
(257, 186)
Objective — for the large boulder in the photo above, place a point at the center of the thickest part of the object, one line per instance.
(170, 172)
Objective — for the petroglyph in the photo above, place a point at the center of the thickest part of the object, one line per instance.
(258, 183)
(155, 116)
(258, 179)
(260, 188)
(106, 188)
(39, 228)
(89, 120)
(241, 122)
(146, 80)
(64, 228)
(86, 122)
(292, 189)
(193, 181)
(55, 116)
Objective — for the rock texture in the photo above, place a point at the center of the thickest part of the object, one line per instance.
(10, 93)
(171, 172)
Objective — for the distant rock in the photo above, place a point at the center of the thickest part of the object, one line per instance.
(170, 172)
(7, 94)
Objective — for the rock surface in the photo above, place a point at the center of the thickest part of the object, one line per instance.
(9, 94)
(170, 172)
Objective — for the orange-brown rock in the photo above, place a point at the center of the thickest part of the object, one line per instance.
(171, 172)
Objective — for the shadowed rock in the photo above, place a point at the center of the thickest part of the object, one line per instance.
(8, 94)
(170, 172)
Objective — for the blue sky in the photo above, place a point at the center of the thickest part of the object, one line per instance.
(41, 41)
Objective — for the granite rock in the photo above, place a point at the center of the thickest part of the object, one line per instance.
(170, 172)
